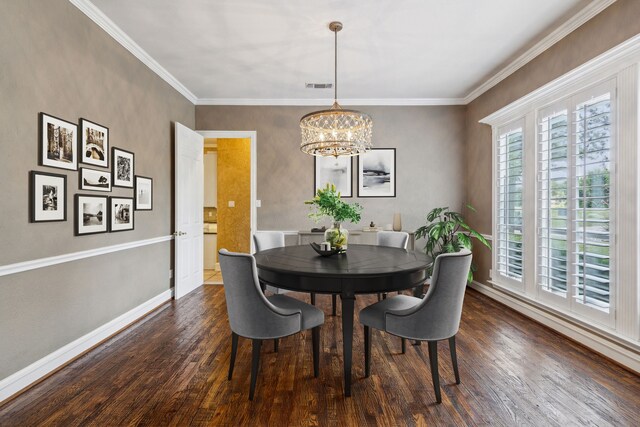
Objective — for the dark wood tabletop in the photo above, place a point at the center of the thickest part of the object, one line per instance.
(363, 269)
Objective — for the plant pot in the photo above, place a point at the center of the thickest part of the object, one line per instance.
(337, 237)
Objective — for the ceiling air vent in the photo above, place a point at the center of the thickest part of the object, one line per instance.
(318, 85)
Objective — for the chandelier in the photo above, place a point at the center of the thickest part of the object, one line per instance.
(336, 132)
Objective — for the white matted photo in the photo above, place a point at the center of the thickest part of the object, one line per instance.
(95, 180)
(336, 171)
(144, 193)
(48, 197)
(122, 168)
(120, 213)
(91, 214)
(377, 173)
(94, 143)
(58, 143)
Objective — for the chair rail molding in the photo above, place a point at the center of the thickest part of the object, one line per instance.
(19, 267)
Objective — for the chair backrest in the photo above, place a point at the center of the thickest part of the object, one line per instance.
(264, 240)
(393, 239)
(438, 315)
(251, 315)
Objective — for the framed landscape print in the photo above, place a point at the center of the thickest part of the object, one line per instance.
(333, 170)
(144, 193)
(377, 173)
(122, 168)
(120, 213)
(91, 214)
(94, 143)
(48, 197)
(95, 180)
(58, 143)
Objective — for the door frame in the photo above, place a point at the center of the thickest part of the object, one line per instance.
(242, 134)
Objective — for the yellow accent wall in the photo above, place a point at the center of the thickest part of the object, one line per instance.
(234, 183)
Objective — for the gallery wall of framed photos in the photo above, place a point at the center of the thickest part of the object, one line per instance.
(64, 145)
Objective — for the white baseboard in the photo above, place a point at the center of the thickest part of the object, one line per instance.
(608, 348)
(24, 378)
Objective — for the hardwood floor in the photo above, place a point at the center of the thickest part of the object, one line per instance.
(171, 369)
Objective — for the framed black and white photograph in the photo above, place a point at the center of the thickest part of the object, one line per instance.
(122, 168)
(48, 197)
(144, 193)
(377, 173)
(95, 180)
(120, 213)
(58, 143)
(91, 214)
(333, 170)
(94, 143)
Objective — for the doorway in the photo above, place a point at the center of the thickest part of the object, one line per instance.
(229, 216)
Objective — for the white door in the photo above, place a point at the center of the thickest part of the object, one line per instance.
(188, 210)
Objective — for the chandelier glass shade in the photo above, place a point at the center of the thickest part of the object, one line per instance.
(336, 131)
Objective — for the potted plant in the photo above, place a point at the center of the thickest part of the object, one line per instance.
(446, 232)
(328, 204)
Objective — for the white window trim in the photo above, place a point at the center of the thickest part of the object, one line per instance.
(622, 63)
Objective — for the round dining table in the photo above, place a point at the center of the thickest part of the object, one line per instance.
(363, 269)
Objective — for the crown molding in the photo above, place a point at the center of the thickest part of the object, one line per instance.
(329, 101)
(121, 37)
(585, 14)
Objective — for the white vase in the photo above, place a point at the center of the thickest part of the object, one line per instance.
(397, 222)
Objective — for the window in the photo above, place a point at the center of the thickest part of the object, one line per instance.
(574, 209)
(508, 245)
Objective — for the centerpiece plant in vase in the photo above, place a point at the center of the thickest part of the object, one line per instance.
(327, 203)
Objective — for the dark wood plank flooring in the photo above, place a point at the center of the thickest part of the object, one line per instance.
(171, 369)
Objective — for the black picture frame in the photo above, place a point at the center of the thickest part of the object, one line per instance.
(382, 170)
(94, 138)
(322, 174)
(57, 142)
(117, 219)
(86, 176)
(122, 168)
(47, 197)
(91, 213)
(143, 190)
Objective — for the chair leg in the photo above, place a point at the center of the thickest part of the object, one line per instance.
(404, 345)
(334, 298)
(234, 350)
(367, 351)
(315, 341)
(379, 297)
(255, 365)
(276, 345)
(433, 360)
(454, 358)
(313, 298)
(384, 295)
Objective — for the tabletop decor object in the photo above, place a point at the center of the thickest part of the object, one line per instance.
(328, 204)
(447, 232)
(323, 252)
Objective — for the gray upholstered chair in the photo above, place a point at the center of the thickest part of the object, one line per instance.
(254, 316)
(432, 318)
(392, 239)
(264, 240)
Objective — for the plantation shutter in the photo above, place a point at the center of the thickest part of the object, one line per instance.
(508, 247)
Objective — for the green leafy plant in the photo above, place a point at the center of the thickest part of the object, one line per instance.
(447, 232)
(328, 204)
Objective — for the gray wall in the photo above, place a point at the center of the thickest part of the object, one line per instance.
(429, 144)
(614, 25)
(55, 60)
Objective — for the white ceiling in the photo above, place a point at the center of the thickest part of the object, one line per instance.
(245, 51)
